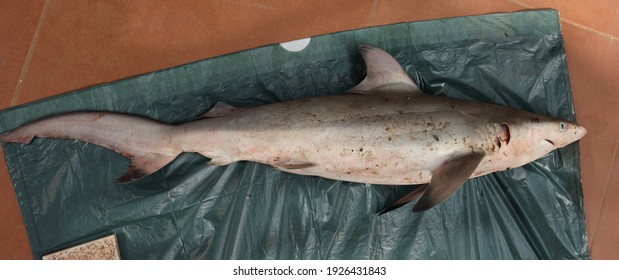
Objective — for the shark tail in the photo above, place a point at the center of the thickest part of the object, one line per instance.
(146, 142)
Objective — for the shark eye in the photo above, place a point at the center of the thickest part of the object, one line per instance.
(562, 126)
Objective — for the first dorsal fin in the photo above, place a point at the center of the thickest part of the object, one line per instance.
(384, 73)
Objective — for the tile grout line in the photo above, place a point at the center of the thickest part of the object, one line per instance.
(33, 44)
(570, 22)
(578, 25)
(373, 13)
(605, 193)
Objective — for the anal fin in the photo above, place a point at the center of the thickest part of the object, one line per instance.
(447, 179)
(220, 161)
(287, 163)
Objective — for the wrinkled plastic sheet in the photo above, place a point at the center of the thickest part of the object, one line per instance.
(247, 210)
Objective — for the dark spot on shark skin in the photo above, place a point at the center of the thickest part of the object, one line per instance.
(435, 137)
(361, 149)
(389, 138)
(453, 106)
(536, 120)
(400, 112)
(100, 115)
(387, 128)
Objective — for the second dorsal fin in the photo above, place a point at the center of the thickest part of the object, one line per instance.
(384, 73)
(219, 110)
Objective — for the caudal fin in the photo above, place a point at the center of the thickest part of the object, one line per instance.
(144, 165)
(15, 137)
(146, 142)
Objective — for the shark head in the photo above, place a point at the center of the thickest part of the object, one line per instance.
(560, 133)
(532, 136)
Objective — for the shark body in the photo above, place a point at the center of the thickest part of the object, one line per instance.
(383, 131)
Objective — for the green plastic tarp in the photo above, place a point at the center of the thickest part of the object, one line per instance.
(245, 210)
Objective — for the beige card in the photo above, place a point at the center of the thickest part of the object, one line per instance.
(105, 248)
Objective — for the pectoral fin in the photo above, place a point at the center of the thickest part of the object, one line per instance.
(447, 179)
(414, 194)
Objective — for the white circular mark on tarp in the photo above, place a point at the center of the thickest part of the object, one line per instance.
(296, 45)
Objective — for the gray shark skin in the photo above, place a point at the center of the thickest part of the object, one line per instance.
(383, 131)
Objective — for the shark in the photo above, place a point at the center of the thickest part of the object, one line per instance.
(385, 130)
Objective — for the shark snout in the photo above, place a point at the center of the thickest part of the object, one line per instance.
(579, 132)
(572, 134)
(583, 131)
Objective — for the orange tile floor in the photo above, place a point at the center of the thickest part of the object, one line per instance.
(54, 46)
